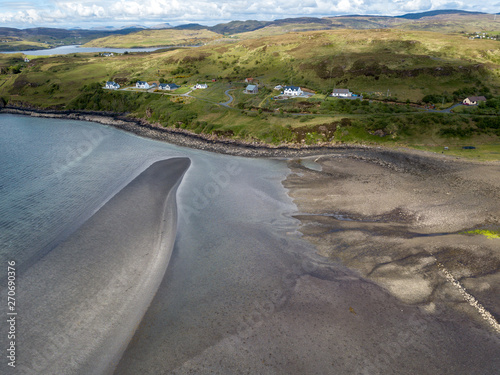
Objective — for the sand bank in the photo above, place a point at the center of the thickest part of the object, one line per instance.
(81, 303)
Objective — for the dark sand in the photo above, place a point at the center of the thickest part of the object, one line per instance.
(80, 304)
(373, 302)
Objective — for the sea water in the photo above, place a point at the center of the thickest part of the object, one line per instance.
(54, 174)
(236, 240)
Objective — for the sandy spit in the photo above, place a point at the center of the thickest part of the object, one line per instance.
(82, 302)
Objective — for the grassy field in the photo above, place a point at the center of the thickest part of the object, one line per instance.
(454, 23)
(401, 66)
(21, 45)
(155, 38)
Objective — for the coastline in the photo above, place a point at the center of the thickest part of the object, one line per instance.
(185, 138)
(222, 145)
(217, 310)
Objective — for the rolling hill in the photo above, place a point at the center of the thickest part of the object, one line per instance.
(156, 38)
(444, 21)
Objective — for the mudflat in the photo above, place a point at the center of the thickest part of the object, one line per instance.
(399, 218)
(371, 297)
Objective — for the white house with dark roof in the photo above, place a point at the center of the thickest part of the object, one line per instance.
(341, 93)
(168, 86)
(474, 100)
(142, 85)
(112, 85)
(292, 91)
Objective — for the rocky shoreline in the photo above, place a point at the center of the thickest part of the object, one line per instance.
(182, 137)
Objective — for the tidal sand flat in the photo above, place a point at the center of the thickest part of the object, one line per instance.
(84, 299)
(266, 302)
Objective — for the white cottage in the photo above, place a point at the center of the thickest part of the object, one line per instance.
(112, 85)
(200, 86)
(168, 86)
(342, 93)
(474, 100)
(292, 91)
(142, 85)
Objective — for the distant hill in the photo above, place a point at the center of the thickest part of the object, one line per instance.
(235, 27)
(165, 25)
(190, 26)
(156, 38)
(432, 13)
(444, 21)
(52, 33)
(301, 20)
(12, 39)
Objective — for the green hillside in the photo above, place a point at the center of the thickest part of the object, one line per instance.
(399, 71)
(437, 21)
(156, 38)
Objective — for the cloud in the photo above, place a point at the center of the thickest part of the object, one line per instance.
(114, 12)
(417, 5)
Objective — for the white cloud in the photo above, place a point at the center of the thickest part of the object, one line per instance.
(113, 12)
(416, 5)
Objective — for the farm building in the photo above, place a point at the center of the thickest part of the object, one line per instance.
(251, 89)
(341, 93)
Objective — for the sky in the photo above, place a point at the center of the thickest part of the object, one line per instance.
(91, 13)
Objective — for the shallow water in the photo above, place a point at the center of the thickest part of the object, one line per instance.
(55, 173)
(234, 217)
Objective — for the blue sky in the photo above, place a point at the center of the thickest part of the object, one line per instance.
(92, 13)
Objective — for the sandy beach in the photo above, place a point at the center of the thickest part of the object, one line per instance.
(83, 300)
